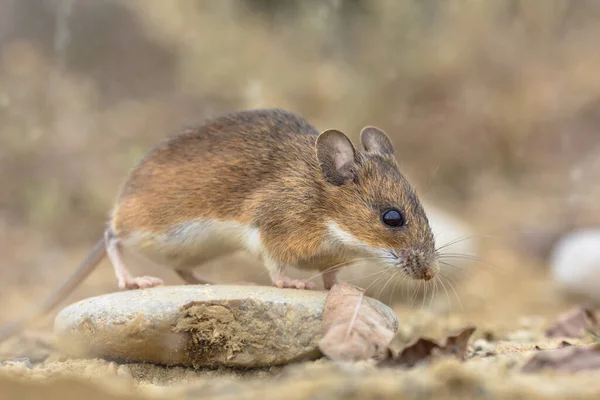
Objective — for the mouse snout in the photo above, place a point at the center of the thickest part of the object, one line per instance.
(427, 275)
(418, 265)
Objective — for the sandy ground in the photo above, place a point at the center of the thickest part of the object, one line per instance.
(511, 303)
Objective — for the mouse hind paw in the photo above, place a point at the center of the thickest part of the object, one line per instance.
(140, 282)
(124, 277)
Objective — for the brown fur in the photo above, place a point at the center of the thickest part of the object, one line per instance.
(260, 168)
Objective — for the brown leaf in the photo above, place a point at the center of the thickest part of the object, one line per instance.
(457, 345)
(573, 323)
(413, 354)
(353, 329)
(565, 359)
(422, 349)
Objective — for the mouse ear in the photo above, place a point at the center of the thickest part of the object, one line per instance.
(375, 140)
(337, 156)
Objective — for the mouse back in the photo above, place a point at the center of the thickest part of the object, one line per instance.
(215, 170)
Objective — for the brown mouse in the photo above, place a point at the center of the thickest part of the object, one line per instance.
(267, 182)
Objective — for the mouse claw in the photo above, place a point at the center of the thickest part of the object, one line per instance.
(294, 284)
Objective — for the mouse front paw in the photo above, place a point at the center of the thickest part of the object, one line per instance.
(284, 283)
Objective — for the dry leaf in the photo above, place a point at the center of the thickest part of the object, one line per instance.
(423, 349)
(566, 359)
(573, 323)
(353, 329)
(457, 345)
(412, 354)
(560, 345)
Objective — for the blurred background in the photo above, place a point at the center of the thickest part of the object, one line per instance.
(492, 106)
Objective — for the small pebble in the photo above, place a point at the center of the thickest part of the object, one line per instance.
(21, 362)
(521, 336)
(482, 345)
(575, 263)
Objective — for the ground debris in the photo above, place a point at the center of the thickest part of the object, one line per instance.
(565, 359)
(423, 349)
(574, 323)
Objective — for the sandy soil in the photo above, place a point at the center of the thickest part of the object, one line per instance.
(511, 305)
(493, 102)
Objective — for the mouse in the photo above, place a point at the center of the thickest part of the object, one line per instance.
(267, 182)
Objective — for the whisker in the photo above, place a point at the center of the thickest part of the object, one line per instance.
(390, 278)
(454, 241)
(445, 290)
(415, 293)
(462, 239)
(383, 278)
(344, 263)
(468, 257)
(366, 276)
(398, 277)
(341, 265)
(381, 286)
(406, 289)
(433, 292)
(456, 267)
(395, 279)
(376, 280)
(425, 287)
(450, 281)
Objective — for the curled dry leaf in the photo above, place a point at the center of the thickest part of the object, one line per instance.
(565, 359)
(353, 329)
(573, 323)
(422, 349)
(457, 345)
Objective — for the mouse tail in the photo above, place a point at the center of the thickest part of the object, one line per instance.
(82, 272)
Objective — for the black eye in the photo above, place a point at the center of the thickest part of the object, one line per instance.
(393, 217)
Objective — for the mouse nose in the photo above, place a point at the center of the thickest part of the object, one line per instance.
(428, 275)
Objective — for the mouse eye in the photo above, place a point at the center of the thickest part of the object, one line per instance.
(393, 217)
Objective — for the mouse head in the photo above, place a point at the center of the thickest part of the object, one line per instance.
(371, 207)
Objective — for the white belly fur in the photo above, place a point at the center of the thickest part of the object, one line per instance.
(191, 244)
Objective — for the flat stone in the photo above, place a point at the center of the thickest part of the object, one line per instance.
(204, 325)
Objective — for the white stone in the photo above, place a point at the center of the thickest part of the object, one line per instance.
(575, 263)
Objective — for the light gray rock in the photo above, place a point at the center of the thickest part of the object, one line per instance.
(211, 325)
